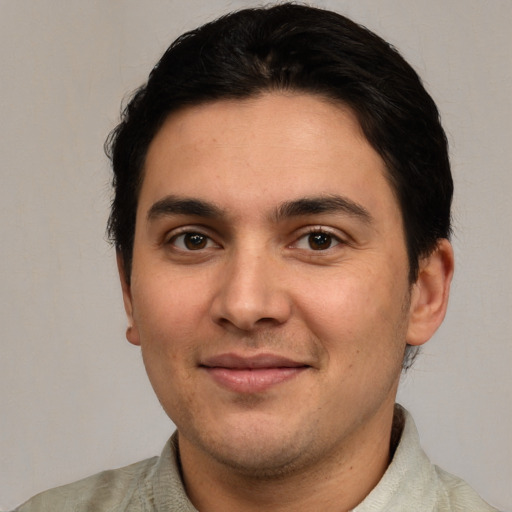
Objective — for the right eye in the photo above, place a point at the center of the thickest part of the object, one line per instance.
(192, 241)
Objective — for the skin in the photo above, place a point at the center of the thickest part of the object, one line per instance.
(225, 262)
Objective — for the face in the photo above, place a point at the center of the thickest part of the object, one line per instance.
(269, 289)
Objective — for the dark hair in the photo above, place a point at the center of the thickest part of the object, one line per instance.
(291, 47)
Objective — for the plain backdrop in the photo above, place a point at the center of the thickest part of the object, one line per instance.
(74, 397)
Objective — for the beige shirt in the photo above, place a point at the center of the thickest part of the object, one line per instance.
(411, 483)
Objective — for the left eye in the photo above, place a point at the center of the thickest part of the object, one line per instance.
(192, 241)
(317, 241)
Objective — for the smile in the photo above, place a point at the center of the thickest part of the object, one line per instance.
(251, 374)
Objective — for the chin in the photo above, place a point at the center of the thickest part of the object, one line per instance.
(262, 450)
(260, 462)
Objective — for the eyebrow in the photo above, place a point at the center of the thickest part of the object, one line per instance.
(174, 205)
(323, 204)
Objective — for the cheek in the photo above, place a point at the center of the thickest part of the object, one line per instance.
(166, 318)
(356, 311)
(167, 308)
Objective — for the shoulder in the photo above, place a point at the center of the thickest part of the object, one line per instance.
(412, 482)
(455, 495)
(108, 491)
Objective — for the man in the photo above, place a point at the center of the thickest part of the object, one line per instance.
(281, 218)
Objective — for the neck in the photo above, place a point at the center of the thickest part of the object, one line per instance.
(335, 483)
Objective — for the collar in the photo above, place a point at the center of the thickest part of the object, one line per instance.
(410, 479)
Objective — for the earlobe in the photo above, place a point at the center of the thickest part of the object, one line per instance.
(429, 296)
(132, 333)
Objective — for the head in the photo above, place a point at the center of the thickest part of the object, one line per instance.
(280, 184)
(296, 48)
(302, 49)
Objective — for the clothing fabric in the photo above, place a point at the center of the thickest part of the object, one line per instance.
(411, 483)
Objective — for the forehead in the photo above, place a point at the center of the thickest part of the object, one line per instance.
(272, 148)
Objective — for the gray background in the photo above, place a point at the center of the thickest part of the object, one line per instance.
(74, 398)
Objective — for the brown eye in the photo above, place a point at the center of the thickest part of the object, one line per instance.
(319, 241)
(194, 241)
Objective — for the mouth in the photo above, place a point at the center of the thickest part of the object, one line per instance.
(251, 374)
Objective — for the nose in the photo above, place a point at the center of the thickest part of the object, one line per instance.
(251, 293)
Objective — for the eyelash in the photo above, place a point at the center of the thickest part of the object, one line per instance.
(188, 231)
(317, 230)
(333, 240)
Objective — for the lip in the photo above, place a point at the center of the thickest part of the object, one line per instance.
(251, 374)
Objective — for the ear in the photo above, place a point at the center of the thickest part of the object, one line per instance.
(429, 296)
(132, 333)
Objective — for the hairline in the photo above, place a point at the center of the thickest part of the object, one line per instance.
(337, 103)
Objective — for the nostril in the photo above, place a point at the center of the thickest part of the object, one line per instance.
(267, 319)
(248, 302)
